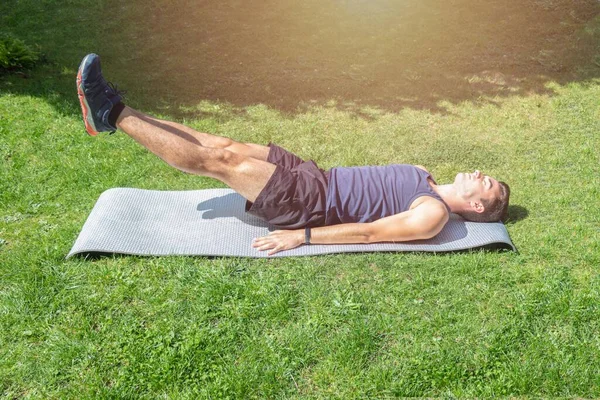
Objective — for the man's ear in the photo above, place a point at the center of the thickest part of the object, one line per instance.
(477, 206)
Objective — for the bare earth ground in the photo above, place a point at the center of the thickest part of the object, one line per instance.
(379, 53)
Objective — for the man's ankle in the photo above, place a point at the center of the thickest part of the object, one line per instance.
(114, 114)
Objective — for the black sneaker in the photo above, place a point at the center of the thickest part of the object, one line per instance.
(96, 96)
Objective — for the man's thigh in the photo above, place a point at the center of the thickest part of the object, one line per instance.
(246, 175)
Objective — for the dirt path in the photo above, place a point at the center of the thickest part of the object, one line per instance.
(382, 53)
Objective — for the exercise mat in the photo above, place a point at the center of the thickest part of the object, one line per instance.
(213, 222)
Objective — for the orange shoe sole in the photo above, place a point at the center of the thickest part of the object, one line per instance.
(85, 109)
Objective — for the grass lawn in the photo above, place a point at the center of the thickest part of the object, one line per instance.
(349, 326)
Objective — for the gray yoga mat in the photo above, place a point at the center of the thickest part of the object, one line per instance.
(213, 222)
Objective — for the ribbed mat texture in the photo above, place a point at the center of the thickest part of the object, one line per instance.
(213, 222)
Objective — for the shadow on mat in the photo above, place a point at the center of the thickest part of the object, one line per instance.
(228, 206)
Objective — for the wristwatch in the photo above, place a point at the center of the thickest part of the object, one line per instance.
(307, 235)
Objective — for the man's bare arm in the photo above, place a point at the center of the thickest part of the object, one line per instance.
(421, 222)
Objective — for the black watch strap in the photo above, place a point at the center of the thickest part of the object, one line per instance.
(307, 235)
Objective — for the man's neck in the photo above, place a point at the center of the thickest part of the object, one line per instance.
(450, 197)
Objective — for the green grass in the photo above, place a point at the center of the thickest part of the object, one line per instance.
(348, 326)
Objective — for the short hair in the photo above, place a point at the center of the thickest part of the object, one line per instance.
(494, 210)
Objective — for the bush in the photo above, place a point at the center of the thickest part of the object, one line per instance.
(15, 54)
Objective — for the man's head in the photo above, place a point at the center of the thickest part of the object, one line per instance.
(485, 198)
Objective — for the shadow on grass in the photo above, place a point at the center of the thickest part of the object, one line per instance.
(288, 55)
(516, 213)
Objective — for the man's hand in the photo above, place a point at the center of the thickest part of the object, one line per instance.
(277, 241)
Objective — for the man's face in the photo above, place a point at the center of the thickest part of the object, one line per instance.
(475, 186)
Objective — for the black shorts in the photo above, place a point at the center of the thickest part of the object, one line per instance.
(295, 195)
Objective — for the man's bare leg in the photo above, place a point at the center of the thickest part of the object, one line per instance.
(207, 140)
(242, 167)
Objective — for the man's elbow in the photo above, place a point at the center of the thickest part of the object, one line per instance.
(371, 234)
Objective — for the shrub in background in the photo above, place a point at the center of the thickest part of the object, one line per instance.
(15, 54)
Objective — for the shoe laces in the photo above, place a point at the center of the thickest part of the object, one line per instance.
(115, 89)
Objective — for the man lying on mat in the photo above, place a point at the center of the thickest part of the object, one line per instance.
(391, 203)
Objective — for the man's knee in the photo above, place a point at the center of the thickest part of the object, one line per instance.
(206, 161)
(221, 142)
(220, 160)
